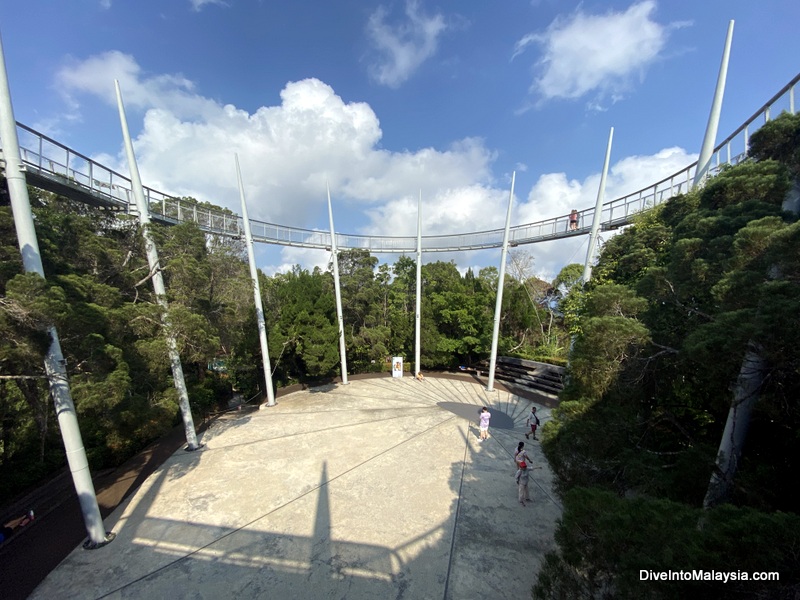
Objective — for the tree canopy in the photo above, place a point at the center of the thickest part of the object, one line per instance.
(680, 306)
(100, 298)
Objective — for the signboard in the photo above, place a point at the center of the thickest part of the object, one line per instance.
(397, 366)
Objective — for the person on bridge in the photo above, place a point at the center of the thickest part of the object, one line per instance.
(573, 220)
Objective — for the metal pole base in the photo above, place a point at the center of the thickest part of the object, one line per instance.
(90, 545)
(190, 449)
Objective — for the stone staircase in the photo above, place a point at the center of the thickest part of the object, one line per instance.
(538, 376)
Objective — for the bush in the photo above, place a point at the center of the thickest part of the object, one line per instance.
(605, 541)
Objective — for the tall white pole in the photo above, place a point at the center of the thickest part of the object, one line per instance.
(337, 290)
(251, 259)
(704, 162)
(54, 363)
(500, 281)
(598, 209)
(418, 309)
(157, 278)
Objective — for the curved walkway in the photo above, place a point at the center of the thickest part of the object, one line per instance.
(59, 169)
(376, 489)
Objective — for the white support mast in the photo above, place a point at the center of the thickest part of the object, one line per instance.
(598, 209)
(704, 161)
(337, 290)
(262, 327)
(54, 363)
(158, 279)
(500, 280)
(418, 305)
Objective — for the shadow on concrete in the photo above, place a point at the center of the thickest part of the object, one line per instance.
(176, 558)
(499, 420)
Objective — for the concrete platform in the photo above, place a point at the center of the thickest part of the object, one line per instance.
(375, 489)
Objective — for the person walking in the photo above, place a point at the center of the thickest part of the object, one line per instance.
(573, 220)
(522, 483)
(533, 423)
(483, 423)
(520, 455)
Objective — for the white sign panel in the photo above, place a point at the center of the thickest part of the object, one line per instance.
(397, 366)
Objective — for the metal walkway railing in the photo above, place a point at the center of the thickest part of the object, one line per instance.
(55, 167)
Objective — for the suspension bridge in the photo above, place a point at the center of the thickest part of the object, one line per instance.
(54, 167)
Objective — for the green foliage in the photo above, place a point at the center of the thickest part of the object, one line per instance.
(767, 181)
(569, 276)
(113, 331)
(609, 335)
(660, 336)
(779, 140)
(606, 541)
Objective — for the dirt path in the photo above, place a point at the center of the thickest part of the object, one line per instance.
(37, 549)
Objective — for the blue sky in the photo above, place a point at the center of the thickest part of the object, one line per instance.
(387, 99)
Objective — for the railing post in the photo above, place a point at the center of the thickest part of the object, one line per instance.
(746, 140)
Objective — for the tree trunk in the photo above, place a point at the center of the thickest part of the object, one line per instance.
(745, 395)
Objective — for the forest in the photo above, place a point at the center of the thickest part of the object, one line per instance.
(99, 295)
(675, 444)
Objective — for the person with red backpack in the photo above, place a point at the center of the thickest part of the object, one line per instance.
(522, 483)
(520, 455)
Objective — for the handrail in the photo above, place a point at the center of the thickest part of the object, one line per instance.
(53, 163)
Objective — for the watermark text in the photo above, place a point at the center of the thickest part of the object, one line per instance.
(701, 575)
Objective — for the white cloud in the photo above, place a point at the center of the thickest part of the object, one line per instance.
(96, 76)
(554, 195)
(307, 258)
(403, 47)
(198, 5)
(288, 152)
(603, 54)
(445, 211)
